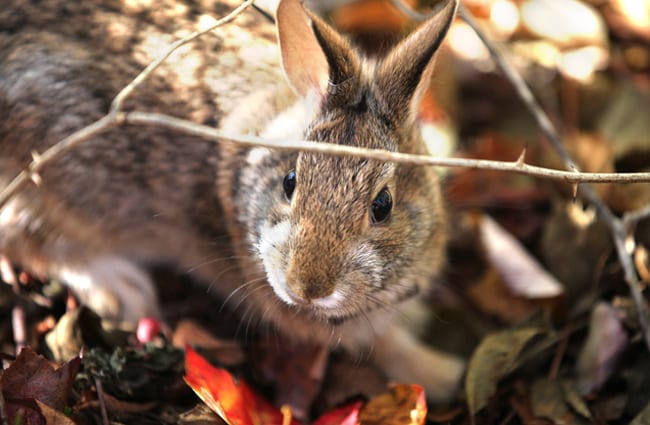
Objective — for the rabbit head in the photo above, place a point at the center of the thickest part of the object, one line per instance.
(340, 237)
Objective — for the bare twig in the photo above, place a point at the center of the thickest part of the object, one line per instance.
(117, 117)
(31, 173)
(615, 225)
(102, 402)
(109, 121)
(631, 218)
(118, 102)
(517, 166)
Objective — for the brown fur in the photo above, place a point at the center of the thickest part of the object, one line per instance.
(313, 266)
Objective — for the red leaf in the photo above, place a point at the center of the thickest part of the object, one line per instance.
(346, 415)
(33, 377)
(235, 403)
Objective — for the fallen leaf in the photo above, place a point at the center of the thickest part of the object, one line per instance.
(235, 402)
(296, 383)
(547, 400)
(492, 296)
(200, 415)
(53, 416)
(604, 345)
(574, 245)
(345, 415)
(642, 418)
(491, 361)
(77, 328)
(189, 332)
(574, 399)
(523, 274)
(403, 405)
(33, 377)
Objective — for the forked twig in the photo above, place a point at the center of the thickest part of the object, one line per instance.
(31, 172)
(617, 227)
(117, 117)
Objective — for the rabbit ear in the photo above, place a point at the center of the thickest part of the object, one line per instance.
(314, 55)
(403, 76)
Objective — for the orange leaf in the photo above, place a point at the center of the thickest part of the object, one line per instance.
(235, 402)
(346, 415)
(404, 405)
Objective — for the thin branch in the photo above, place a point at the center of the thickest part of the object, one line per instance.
(632, 217)
(517, 166)
(118, 102)
(616, 226)
(31, 173)
(116, 117)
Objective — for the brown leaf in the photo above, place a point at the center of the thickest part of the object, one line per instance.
(547, 400)
(574, 399)
(189, 332)
(200, 415)
(403, 405)
(32, 377)
(491, 361)
(642, 418)
(604, 345)
(523, 274)
(52, 416)
(296, 382)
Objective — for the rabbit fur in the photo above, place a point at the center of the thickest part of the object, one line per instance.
(309, 261)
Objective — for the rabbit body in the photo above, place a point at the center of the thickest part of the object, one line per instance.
(307, 253)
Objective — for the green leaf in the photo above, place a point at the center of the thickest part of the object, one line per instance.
(492, 360)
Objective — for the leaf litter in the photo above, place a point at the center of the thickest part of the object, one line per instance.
(532, 295)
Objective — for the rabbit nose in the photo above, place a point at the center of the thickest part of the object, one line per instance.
(308, 291)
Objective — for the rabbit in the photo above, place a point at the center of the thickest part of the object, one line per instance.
(326, 249)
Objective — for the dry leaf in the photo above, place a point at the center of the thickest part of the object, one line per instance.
(491, 361)
(523, 274)
(234, 402)
(642, 418)
(33, 377)
(605, 343)
(402, 405)
(547, 400)
(189, 332)
(297, 382)
(53, 416)
(573, 398)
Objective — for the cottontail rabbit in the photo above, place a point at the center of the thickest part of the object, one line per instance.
(327, 247)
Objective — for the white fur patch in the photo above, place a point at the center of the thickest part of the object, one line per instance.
(291, 123)
(330, 302)
(272, 237)
(365, 254)
(112, 286)
(257, 155)
(11, 215)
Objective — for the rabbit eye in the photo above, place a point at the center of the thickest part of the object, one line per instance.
(381, 207)
(289, 184)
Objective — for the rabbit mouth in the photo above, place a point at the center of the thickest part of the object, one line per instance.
(339, 320)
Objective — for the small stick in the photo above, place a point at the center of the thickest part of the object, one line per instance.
(102, 402)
